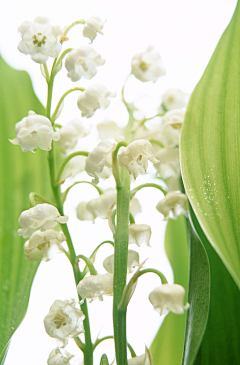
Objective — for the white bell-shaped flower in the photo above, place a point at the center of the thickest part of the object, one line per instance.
(145, 359)
(41, 216)
(174, 99)
(64, 321)
(74, 166)
(168, 298)
(70, 133)
(93, 98)
(147, 66)
(134, 207)
(92, 26)
(99, 157)
(139, 233)
(35, 131)
(40, 39)
(133, 261)
(172, 205)
(44, 245)
(59, 357)
(83, 214)
(101, 206)
(95, 286)
(135, 156)
(171, 126)
(83, 62)
(108, 129)
(168, 164)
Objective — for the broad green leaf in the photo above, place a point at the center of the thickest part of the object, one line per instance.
(21, 173)
(167, 347)
(198, 297)
(220, 343)
(210, 149)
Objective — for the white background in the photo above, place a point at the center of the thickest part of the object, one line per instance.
(185, 33)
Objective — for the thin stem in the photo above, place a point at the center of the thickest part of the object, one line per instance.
(46, 72)
(89, 264)
(62, 99)
(72, 25)
(147, 185)
(154, 141)
(154, 271)
(62, 56)
(115, 165)
(34, 198)
(98, 341)
(67, 159)
(123, 88)
(94, 253)
(79, 343)
(64, 195)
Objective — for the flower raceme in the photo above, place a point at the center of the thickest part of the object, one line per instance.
(93, 98)
(135, 156)
(147, 66)
(172, 205)
(168, 298)
(64, 321)
(40, 39)
(41, 216)
(95, 286)
(44, 245)
(92, 26)
(35, 131)
(82, 62)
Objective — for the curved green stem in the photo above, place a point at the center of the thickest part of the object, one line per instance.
(115, 165)
(154, 141)
(148, 185)
(46, 72)
(94, 253)
(72, 25)
(67, 159)
(62, 99)
(98, 341)
(89, 264)
(79, 343)
(61, 57)
(64, 195)
(34, 197)
(154, 271)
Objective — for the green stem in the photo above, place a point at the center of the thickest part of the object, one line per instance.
(154, 271)
(67, 159)
(148, 185)
(64, 195)
(154, 141)
(79, 343)
(72, 25)
(115, 165)
(120, 267)
(89, 264)
(62, 56)
(98, 341)
(34, 197)
(94, 252)
(62, 99)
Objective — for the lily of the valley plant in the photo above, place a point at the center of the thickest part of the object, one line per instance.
(124, 153)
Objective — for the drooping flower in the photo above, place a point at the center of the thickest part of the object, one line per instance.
(95, 286)
(93, 98)
(134, 207)
(99, 157)
(172, 205)
(168, 298)
(74, 167)
(92, 26)
(44, 245)
(139, 233)
(135, 156)
(40, 39)
(133, 261)
(41, 216)
(35, 131)
(82, 62)
(59, 357)
(64, 321)
(147, 66)
(109, 129)
(145, 359)
(168, 164)
(170, 128)
(70, 133)
(174, 99)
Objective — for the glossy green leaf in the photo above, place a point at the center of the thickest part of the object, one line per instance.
(220, 343)
(167, 347)
(210, 149)
(21, 173)
(198, 297)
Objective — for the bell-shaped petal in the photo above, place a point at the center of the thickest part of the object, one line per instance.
(41, 216)
(109, 129)
(133, 261)
(95, 286)
(44, 245)
(170, 129)
(59, 357)
(147, 66)
(83, 62)
(99, 157)
(139, 233)
(83, 214)
(168, 298)
(93, 98)
(135, 156)
(64, 321)
(174, 99)
(70, 133)
(172, 205)
(168, 164)
(35, 131)
(40, 39)
(92, 26)
(134, 207)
